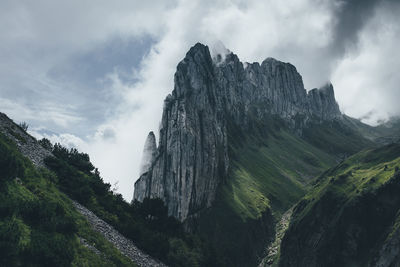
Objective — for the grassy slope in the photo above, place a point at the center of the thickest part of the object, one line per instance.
(269, 172)
(360, 173)
(337, 137)
(38, 224)
(349, 210)
(272, 174)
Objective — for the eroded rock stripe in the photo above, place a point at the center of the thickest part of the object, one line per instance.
(124, 245)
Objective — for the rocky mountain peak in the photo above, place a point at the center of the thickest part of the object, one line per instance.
(211, 92)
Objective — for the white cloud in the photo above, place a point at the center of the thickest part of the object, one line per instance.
(367, 81)
(67, 140)
(48, 111)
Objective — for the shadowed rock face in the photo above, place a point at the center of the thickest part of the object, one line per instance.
(192, 157)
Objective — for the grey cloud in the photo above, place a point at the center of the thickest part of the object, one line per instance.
(351, 16)
(49, 58)
(87, 67)
(366, 77)
(108, 134)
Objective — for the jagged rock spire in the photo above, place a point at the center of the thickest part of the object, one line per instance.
(149, 153)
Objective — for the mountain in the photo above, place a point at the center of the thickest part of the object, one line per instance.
(250, 169)
(238, 145)
(351, 216)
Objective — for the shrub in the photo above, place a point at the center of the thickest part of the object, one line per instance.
(24, 126)
(46, 144)
(10, 165)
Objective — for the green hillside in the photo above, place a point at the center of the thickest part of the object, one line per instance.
(38, 224)
(272, 174)
(349, 213)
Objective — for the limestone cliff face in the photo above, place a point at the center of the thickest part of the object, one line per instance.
(192, 156)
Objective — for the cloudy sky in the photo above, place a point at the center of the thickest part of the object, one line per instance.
(93, 74)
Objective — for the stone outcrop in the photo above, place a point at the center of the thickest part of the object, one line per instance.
(210, 95)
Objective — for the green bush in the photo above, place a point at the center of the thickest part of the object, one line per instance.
(10, 165)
